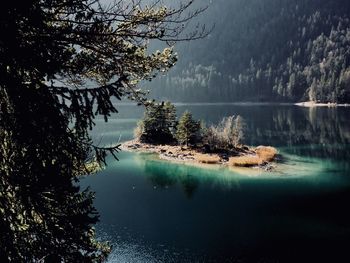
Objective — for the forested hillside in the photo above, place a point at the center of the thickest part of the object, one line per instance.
(270, 50)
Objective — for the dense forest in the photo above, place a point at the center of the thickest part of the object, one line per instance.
(271, 50)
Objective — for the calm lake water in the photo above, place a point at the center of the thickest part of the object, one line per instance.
(156, 211)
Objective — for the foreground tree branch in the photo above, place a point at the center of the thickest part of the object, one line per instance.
(61, 64)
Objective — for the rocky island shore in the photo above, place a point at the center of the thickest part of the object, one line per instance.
(262, 156)
(187, 140)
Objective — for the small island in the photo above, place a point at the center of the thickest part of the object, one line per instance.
(191, 141)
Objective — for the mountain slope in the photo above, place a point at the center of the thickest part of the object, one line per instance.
(271, 50)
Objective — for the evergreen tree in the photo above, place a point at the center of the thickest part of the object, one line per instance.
(61, 64)
(188, 130)
(267, 54)
(171, 118)
(158, 123)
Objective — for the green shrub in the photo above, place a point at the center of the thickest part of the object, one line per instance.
(188, 130)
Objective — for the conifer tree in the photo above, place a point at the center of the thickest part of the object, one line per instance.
(188, 129)
(62, 62)
(158, 123)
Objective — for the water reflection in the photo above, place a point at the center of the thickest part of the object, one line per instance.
(222, 213)
(325, 131)
(163, 175)
(318, 132)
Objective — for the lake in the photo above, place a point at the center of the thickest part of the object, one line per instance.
(157, 211)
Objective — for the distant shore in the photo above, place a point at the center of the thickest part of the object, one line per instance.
(259, 157)
(251, 103)
(311, 104)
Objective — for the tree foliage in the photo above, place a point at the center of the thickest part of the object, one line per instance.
(158, 124)
(61, 64)
(188, 130)
(270, 51)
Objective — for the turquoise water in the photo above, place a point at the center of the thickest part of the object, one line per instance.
(157, 211)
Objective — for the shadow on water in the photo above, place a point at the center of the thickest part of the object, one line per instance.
(157, 211)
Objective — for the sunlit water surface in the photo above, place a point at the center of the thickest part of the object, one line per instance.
(157, 211)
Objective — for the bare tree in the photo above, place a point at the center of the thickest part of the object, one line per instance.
(228, 134)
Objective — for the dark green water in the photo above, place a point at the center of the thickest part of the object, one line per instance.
(156, 211)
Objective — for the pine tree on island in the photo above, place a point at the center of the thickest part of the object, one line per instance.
(188, 130)
(159, 132)
(158, 124)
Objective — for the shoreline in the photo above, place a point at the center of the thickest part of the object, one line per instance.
(307, 104)
(311, 104)
(262, 157)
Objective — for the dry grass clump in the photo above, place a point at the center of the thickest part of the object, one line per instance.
(263, 154)
(266, 153)
(205, 158)
(245, 161)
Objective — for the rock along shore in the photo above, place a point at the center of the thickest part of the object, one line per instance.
(243, 156)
